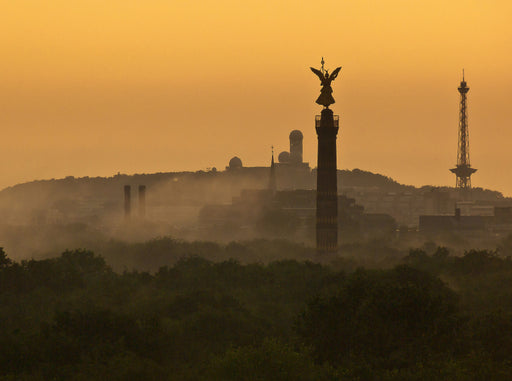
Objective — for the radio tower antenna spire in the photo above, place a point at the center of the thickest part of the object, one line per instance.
(463, 170)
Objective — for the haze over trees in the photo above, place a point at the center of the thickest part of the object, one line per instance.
(48, 216)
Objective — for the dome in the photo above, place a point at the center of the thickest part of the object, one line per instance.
(235, 162)
(296, 135)
(284, 157)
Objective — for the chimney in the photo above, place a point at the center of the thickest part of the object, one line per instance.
(142, 201)
(127, 202)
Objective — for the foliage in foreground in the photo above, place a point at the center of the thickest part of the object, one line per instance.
(435, 317)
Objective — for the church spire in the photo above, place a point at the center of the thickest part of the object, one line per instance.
(272, 185)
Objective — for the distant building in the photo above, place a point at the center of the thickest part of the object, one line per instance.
(497, 223)
(291, 170)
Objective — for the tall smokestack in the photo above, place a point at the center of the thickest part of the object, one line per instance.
(127, 202)
(142, 201)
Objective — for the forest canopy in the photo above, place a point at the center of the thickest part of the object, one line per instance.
(432, 316)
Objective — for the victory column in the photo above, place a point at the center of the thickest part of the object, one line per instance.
(327, 126)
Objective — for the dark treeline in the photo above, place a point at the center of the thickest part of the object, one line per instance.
(433, 316)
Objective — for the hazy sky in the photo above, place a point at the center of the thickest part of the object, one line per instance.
(90, 87)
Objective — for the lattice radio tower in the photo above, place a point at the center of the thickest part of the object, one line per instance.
(463, 170)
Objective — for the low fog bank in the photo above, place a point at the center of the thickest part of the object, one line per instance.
(49, 216)
(152, 254)
(147, 246)
(43, 218)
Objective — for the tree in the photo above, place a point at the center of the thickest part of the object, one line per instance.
(4, 260)
(272, 360)
(385, 318)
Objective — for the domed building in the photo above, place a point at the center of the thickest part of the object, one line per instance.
(291, 171)
(284, 157)
(296, 138)
(235, 163)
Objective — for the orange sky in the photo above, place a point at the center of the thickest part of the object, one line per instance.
(92, 87)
